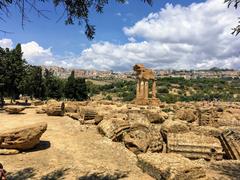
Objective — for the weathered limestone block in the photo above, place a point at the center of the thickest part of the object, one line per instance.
(156, 117)
(228, 120)
(71, 107)
(137, 117)
(156, 142)
(55, 109)
(137, 139)
(195, 146)
(170, 166)
(140, 139)
(90, 115)
(14, 109)
(186, 115)
(226, 169)
(113, 128)
(230, 140)
(22, 138)
(207, 116)
(207, 131)
(176, 126)
(87, 113)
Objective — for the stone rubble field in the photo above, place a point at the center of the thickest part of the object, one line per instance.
(114, 140)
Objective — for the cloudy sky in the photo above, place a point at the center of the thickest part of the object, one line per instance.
(169, 35)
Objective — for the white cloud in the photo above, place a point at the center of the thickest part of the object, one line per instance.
(196, 36)
(35, 54)
(6, 43)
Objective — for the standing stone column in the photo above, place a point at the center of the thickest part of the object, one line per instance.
(146, 90)
(154, 89)
(138, 89)
(141, 89)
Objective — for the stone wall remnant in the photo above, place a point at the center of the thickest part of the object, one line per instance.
(195, 146)
(230, 140)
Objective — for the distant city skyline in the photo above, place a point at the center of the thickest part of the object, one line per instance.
(168, 35)
(187, 74)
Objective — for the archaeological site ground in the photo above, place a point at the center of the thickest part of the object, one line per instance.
(110, 139)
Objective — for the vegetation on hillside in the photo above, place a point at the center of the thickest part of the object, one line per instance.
(171, 89)
(17, 77)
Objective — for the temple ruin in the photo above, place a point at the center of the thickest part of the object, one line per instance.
(143, 76)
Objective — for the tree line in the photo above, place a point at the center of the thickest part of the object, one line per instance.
(17, 77)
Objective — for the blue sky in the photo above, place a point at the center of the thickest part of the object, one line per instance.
(50, 33)
(128, 27)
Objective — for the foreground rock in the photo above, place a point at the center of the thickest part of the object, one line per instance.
(14, 109)
(113, 128)
(230, 140)
(55, 109)
(175, 126)
(195, 146)
(71, 107)
(186, 115)
(226, 169)
(22, 138)
(140, 139)
(206, 130)
(170, 166)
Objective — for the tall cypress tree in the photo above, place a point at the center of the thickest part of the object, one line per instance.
(53, 85)
(13, 70)
(70, 86)
(76, 88)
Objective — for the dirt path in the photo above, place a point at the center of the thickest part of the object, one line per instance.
(68, 151)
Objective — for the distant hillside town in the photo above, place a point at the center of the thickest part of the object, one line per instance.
(186, 74)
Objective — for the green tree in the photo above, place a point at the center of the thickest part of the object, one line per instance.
(33, 82)
(69, 89)
(76, 88)
(13, 68)
(81, 92)
(54, 86)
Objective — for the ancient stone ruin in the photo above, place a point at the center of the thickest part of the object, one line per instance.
(22, 138)
(143, 76)
(230, 140)
(193, 140)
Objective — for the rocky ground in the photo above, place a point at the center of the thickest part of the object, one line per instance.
(68, 150)
(73, 147)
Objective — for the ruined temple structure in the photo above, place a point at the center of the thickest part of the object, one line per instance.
(143, 77)
(195, 146)
(230, 140)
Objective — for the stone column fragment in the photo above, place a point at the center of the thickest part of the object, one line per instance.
(145, 89)
(154, 89)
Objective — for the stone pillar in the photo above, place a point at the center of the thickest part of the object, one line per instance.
(141, 89)
(138, 89)
(145, 89)
(154, 89)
